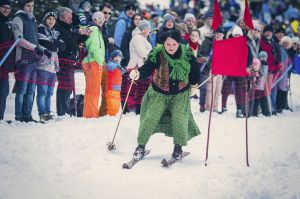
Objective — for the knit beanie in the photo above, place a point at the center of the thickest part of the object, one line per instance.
(237, 31)
(22, 3)
(5, 2)
(116, 53)
(144, 24)
(49, 13)
(168, 17)
(174, 34)
(189, 16)
(263, 54)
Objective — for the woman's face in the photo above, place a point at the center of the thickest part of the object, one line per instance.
(171, 46)
(195, 36)
(137, 20)
(146, 31)
(169, 24)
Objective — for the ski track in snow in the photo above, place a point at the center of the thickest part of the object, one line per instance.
(69, 158)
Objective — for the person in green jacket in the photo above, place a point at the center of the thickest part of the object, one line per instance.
(93, 65)
(166, 104)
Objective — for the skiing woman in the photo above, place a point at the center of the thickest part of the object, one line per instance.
(166, 104)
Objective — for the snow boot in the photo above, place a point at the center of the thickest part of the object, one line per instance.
(139, 152)
(202, 108)
(224, 109)
(239, 114)
(29, 119)
(177, 152)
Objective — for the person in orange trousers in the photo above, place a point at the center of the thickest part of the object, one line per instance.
(93, 66)
(114, 80)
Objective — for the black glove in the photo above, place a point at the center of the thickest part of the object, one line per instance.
(38, 51)
(47, 53)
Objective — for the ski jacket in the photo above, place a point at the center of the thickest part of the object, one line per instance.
(114, 76)
(95, 47)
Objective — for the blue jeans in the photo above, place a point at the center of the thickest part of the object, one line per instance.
(26, 84)
(274, 98)
(4, 89)
(45, 88)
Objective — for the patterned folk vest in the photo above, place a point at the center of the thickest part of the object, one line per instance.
(161, 77)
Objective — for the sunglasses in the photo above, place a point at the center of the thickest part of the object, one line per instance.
(256, 30)
(107, 13)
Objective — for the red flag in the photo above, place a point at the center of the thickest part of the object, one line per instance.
(217, 19)
(247, 16)
(230, 57)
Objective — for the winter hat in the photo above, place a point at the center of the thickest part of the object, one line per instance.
(168, 17)
(116, 53)
(280, 30)
(208, 14)
(130, 6)
(22, 3)
(263, 54)
(154, 15)
(84, 4)
(296, 40)
(174, 34)
(49, 13)
(220, 30)
(237, 31)
(288, 40)
(97, 15)
(189, 16)
(268, 28)
(256, 62)
(144, 24)
(5, 2)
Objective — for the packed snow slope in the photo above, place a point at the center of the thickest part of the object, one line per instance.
(69, 158)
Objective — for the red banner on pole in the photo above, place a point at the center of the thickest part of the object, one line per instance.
(217, 19)
(230, 57)
(247, 16)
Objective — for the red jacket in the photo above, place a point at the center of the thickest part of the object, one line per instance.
(273, 51)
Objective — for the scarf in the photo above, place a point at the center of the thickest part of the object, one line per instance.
(193, 45)
(180, 67)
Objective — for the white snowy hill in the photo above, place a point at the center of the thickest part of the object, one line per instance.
(69, 159)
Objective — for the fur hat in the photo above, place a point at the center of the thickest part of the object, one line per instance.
(5, 2)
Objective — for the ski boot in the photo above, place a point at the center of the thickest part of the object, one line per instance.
(139, 152)
(177, 153)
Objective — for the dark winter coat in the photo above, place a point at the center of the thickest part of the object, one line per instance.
(6, 35)
(71, 37)
(273, 50)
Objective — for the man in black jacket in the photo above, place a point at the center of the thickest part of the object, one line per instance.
(5, 36)
(71, 37)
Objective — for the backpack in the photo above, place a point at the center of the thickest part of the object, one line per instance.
(111, 25)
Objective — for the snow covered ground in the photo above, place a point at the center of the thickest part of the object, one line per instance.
(69, 158)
